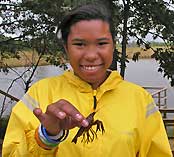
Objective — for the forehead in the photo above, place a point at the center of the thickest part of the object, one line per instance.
(90, 28)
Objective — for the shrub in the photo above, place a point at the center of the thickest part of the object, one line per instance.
(3, 126)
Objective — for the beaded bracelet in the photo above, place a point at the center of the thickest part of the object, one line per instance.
(45, 140)
(48, 142)
(60, 137)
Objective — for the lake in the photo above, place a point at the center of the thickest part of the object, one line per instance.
(144, 72)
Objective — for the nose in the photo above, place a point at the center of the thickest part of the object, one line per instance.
(91, 53)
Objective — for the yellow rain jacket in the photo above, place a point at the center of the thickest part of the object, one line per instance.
(132, 122)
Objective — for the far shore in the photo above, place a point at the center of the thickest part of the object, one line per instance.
(27, 58)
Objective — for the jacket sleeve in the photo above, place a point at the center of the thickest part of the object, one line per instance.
(19, 139)
(154, 141)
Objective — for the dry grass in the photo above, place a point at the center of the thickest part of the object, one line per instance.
(26, 58)
(143, 53)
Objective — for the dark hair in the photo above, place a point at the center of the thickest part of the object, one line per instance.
(85, 12)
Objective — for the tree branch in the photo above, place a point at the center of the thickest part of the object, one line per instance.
(4, 100)
(11, 39)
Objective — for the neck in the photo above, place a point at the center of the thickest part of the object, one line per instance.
(95, 85)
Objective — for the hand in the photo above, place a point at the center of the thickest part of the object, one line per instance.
(60, 115)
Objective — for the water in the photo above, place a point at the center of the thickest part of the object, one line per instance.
(143, 72)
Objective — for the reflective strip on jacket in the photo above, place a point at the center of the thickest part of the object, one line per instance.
(133, 124)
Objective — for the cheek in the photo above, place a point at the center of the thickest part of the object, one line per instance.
(74, 58)
(108, 55)
(71, 53)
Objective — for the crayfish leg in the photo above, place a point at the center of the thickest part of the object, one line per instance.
(100, 126)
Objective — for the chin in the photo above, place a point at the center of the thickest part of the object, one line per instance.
(93, 80)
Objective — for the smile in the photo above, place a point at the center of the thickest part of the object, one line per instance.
(91, 68)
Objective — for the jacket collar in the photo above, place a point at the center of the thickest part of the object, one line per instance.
(110, 83)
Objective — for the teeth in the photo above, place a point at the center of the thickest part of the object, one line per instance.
(89, 67)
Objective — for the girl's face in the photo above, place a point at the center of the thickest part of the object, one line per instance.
(90, 50)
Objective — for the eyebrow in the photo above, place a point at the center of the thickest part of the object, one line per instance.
(101, 39)
(78, 39)
(82, 40)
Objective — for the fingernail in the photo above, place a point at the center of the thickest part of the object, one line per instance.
(85, 123)
(78, 117)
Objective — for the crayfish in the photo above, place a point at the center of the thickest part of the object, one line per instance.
(87, 132)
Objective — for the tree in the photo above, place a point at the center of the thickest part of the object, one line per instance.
(138, 18)
(32, 22)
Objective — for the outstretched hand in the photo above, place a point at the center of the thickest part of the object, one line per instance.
(60, 115)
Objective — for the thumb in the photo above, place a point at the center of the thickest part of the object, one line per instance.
(39, 114)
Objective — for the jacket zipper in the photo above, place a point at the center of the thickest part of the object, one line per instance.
(95, 100)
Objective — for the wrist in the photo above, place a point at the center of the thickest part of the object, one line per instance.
(55, 133)
(48, 142)
(61, 136)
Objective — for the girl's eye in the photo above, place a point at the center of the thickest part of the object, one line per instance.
(102, 43)
(78, 44)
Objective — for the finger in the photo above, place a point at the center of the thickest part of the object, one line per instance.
(63, 108)
(54, 110)
(71, 111)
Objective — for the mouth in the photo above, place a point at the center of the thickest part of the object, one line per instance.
(91, 67)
